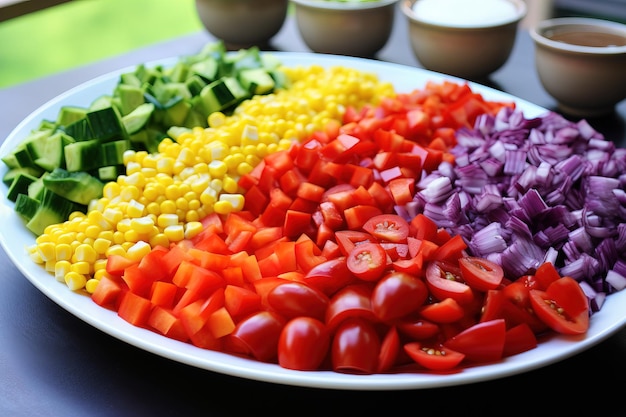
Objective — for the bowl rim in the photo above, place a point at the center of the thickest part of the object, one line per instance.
(520, 5)
(340, 5)
(538, 30)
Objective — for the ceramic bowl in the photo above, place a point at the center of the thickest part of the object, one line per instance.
(581, 63)
(242, 23)
(471, 42)
(345, 28)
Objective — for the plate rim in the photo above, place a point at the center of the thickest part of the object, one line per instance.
(81, 306)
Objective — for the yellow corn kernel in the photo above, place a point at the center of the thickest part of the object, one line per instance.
(142, 225)
(49, 265)
(167, 219)
(192, 216)
(100, 273)
(217, 169)
(81, 267)
(91, 284)
(230, 185)
(101, 245)
(168, 206)
(75, 281)
(61, 269)
(138, 250)
(135, 209)
(174, 233)
(46, 250)
(216, 119)
(63, 252)
(192, 228)
(99, 264)
(111, 190)
(159, 239)
(113, 215)
(35, 257)
(85, 253)
(116, 249)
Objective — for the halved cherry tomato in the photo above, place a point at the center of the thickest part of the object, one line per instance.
(481, 274)
(445, 311)
(398, 294)
(482, 342)
(389, 350)
(258, 335)
(417, 329)
(444, 281)
(367, 261)
(519, 339)
(388, 227)
(355, 347)
(435, 358)
(303, 344)
(563, 306)
(329, 276)
(351, 301)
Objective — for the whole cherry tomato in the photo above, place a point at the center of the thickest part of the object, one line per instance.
(355, 347)
(303, 344)
(398, 294)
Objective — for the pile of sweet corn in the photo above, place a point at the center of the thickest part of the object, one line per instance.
(163, 196)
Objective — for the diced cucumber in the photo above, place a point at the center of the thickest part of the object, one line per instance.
(131, 78)
(80, 130)
(110, 173)
(53, 209)
(178, 73)
(256, 80)
(8, 177)
(195, 84)
(137, 119)
(51, 155)
(130, 97)
(26, 206)
(83, 156)
(112, 153)
(177, 114)
(222, 94)
(36, 189)
(102, 102)
(69, 114)
(19, 185)
(207, 69)
(106, 124)
(79, 187)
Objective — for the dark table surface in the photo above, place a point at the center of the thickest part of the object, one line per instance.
(53, 364)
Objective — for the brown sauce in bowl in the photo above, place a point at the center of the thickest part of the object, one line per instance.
(589, 38)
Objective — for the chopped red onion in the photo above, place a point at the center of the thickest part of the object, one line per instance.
(524, 191)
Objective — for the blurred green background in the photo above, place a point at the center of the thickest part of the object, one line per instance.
(83, 31)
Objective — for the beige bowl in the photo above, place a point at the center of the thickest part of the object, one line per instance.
(242, 23)
(468, 45)
(345, 28)
(581, 62)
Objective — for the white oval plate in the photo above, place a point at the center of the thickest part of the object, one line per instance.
(14, 237)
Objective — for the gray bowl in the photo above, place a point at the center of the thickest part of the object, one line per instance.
(242, 23)
(584, 75)
(345, 28)
(465, 50)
